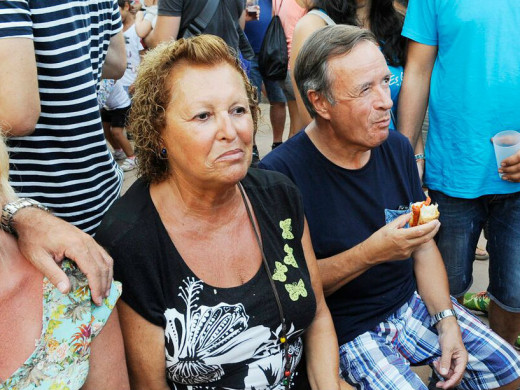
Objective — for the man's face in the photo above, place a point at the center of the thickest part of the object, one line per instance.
(360, 86)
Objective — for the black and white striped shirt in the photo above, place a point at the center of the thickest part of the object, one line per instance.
(65, 163)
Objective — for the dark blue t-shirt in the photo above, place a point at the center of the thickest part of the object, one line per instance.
(343, 208)
(255, 30)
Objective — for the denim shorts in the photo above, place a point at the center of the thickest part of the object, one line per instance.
(287, 87)
(274, 91)
(381, 358)
(462, 220)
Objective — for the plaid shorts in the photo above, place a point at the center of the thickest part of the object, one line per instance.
(381, 358)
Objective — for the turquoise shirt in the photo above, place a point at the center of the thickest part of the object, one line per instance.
(475, 89)
(395, 87)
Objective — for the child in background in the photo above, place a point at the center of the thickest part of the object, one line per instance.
(114, 115)
(134, 48)
(145, 21)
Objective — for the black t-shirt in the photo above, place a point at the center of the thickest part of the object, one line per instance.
(223, 24)
(344, 207)
(216, 337)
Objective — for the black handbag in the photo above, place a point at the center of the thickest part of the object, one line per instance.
(273, 57)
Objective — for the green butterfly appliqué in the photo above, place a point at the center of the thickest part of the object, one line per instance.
(296, 290)
(289, 258)
(286, 229)
(279, 272)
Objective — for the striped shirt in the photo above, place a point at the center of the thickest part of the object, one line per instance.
(65, 163)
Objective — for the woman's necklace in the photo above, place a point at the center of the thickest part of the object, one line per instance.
(283, 334)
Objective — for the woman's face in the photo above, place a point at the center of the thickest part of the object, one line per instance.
(209, 127)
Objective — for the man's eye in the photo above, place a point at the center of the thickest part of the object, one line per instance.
(202, 116)
(386, 80)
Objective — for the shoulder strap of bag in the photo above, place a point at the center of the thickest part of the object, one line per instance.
(199, 24)
(279, 8)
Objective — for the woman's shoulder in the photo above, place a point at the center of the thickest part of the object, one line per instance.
(126, 213)
(265, 179)
(309, 23)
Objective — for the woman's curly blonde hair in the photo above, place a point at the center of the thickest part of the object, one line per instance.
(153, 92)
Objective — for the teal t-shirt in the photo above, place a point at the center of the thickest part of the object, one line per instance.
(474, 92)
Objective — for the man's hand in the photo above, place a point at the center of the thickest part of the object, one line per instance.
(46, 240)
(511, 168)
(252, 13)
(452, 364)
(393, 242)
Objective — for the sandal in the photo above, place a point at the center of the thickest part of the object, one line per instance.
(476, 301)
(481, 254)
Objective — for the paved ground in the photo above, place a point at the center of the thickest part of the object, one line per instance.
(264, 141)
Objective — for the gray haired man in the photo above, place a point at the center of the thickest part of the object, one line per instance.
(386, 285)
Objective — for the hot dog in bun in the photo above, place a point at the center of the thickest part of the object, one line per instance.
(423, 212)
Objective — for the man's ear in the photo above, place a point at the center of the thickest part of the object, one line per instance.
(320, 103)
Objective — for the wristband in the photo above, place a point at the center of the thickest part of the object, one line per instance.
(10, 209)
(419, 156)
(435, 319)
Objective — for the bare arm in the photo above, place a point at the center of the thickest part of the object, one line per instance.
(413, 98)
(107, 359)
(166, 29)
(144, 345)
(46, 240)
(321, 347)
(19, 95)
(142, 27)
(115, 61)
(242, 20)
(391, 242)
(432, 285)
(304, 28)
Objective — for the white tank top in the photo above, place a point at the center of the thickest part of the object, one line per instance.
(323, 15)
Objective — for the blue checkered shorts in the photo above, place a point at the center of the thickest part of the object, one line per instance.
(381, 358)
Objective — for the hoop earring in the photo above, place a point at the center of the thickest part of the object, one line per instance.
(164, 153)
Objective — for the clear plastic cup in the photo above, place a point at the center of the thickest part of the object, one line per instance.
(506, 143)
(252, 8)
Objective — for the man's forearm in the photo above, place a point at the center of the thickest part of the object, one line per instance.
(432, 281)
(338, 270)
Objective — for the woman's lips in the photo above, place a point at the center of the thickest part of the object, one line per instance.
(231, 155)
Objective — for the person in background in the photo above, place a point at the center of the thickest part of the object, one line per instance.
(146, 20)
(134, 48)
(60, 158)
(290, 13)
(78, 345)
(221, 285)
(255, 32)
(400, 6)
(175, 18)
(114, 114)
(463, 62)
(385, 283)
(77, 186)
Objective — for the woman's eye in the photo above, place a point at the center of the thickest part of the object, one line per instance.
(239, 110)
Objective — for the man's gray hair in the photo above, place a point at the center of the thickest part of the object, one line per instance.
(311, 68)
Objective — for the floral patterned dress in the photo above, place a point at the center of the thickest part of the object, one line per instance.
(60, 360)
